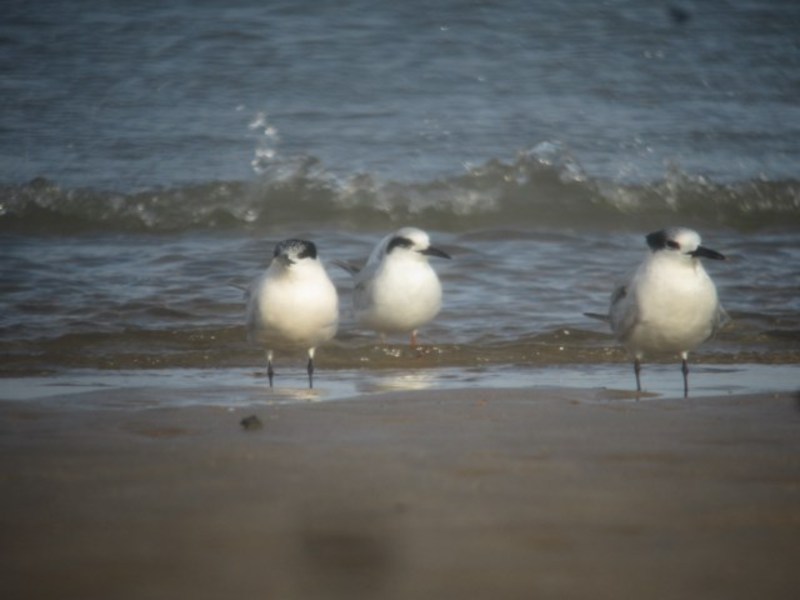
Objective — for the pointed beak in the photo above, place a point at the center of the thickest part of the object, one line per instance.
(703, 252)
(433, 251)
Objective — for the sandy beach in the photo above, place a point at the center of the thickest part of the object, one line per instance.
(442, 494)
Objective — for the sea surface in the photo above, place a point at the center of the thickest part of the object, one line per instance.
(152, 154)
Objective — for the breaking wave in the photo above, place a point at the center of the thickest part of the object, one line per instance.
(543, 186)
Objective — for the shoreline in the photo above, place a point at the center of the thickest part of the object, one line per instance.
(510, 493)
(238, 387)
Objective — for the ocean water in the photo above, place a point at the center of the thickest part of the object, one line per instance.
(152, 155)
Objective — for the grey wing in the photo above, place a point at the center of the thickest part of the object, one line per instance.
(721, 318)
(253, 313)
(617, 296)
(361, 294)
(251, 289)
(364, 280)
(623, 313)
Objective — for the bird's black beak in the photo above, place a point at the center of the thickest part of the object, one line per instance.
(433, 251)
(703, 252)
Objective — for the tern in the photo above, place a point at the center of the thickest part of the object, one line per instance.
(293, 304)
(670, 304)
(398, 291)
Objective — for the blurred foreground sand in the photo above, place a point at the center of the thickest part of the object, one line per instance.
(459, 494)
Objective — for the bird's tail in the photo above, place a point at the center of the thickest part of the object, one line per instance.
(597, 316)
(351, 268)
(245, 289)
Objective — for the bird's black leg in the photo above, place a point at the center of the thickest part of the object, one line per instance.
(637, 368)
(685, 370)
(310, 367)
(270, 372)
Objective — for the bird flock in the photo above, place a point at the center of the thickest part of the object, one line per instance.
(669, 304)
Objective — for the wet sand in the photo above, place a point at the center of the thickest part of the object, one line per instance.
(446, 494)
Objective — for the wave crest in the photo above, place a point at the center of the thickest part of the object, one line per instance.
(543, 186)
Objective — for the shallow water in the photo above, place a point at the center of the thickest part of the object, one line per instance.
(507, 294)
(514, 302)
